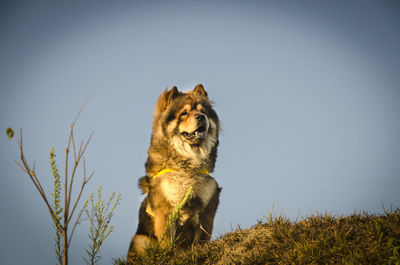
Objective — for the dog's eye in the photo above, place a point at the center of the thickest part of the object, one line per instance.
(170, 118)
(184, 113)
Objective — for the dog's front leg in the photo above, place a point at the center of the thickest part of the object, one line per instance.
(160, 223)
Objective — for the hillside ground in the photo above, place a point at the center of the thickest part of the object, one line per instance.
(360, 238)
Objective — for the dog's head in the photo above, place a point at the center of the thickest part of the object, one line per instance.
(186, 120)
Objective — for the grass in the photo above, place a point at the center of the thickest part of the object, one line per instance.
(360, 238)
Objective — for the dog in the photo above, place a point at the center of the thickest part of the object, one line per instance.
(181, 156)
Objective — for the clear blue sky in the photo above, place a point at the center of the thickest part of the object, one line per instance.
(307, 92)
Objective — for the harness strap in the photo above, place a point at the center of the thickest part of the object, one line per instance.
(166, 170)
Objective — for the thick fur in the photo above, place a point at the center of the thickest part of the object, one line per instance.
(184, 139)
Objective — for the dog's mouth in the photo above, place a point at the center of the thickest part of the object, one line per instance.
(197, 136)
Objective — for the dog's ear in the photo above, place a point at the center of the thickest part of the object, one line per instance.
(199, 90)
(163, 100)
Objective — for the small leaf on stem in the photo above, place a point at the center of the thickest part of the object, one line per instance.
(10, 133)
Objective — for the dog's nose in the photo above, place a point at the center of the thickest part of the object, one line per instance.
(200, 117)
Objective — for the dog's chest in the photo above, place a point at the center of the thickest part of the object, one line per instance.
(175, 186)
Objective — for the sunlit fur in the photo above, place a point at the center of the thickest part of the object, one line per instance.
(184, 140)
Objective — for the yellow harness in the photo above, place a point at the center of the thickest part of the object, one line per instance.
(202, 171)
(148, 209)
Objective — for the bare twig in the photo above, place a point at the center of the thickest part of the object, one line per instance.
(77, 160)
(23, 169)
(80, 147)
(78, 221)
(82, 107)
(90, 176)
(76, 201)
(84, 169)
(32, 175)
(66, 175)
(87, 142)
(68, 185)
(73, 144)
(84, 182)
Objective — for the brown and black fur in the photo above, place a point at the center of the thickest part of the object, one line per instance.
(184, 139)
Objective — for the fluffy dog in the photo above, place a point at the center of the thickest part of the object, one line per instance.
(182, 153)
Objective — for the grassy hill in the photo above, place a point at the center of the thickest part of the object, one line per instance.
(361, 238)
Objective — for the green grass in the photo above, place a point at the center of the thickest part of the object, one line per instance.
(360, 238)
